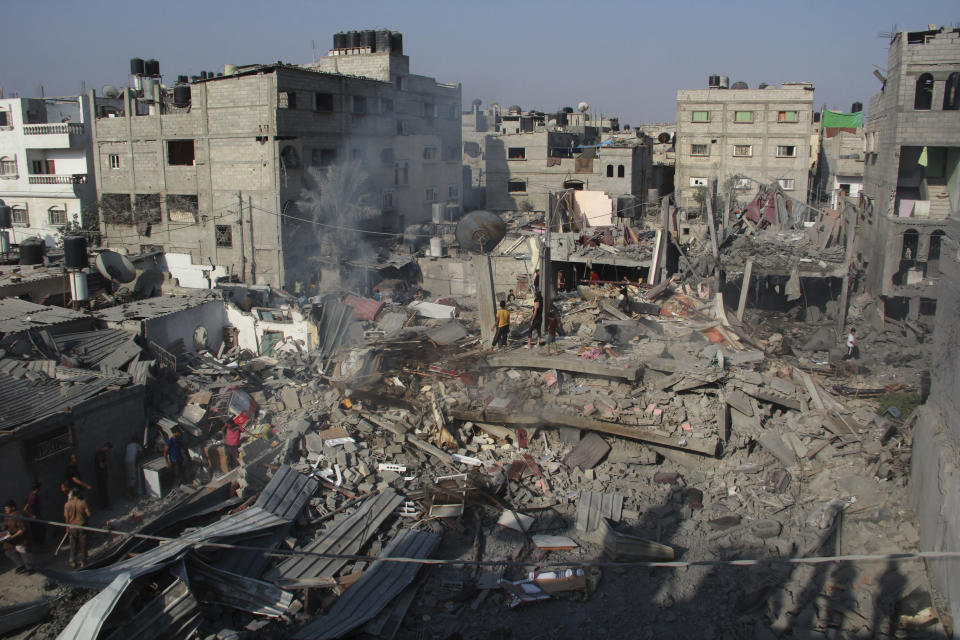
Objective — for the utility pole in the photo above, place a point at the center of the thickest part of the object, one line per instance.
(253, 249)
(243, 257)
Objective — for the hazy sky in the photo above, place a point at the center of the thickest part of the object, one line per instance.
(625, 58)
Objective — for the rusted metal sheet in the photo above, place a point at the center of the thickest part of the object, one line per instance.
(363, 308)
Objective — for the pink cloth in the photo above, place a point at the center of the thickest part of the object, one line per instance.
(232, 437)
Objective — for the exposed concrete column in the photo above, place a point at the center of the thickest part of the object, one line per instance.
(913, 309)
(486, 300)
(744, 289)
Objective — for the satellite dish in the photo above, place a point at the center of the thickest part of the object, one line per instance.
(116, 267)
(480, 231)
(582, 107)
(148, 283)
(664, 137)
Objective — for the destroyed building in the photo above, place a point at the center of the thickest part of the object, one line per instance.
(210, 171)
(46, 164)
(763, 135)
(912, 172)
(842, 156)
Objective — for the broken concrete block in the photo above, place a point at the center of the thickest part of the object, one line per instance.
(588, 452)
(778, 448)
(291, 398)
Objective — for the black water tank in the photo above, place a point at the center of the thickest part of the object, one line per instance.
(31, 251)
(203, 75)
(713, 82)
(181, 95)
(340, 40)
(857, 106)
(369, 38)
(396, 43)
(151, 67)
(353, 39)
(6, 217)
(75, 252)
(383, 41)
(183, 79)
(136, 66)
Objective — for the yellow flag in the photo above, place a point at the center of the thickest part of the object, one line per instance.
(923, 158)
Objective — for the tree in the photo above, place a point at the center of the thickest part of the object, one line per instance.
(338, 200)
(733, 187)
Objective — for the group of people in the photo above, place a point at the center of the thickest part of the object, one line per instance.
(501, 324)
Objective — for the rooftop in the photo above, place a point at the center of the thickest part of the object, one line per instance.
(153, 307)
(20, 315)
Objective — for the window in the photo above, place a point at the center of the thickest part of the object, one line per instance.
(741, 183)
(386, 200)
(146, 207)
(431, 194)
(19, 217)
(114, 160)
(621, 171)
(743, 116)
(785, 183)
(56, 216)
(289, 158)
(8, 167)
(951, 93)
(698, 182)
(516, 186)
(323, 102)
(401, 128)
(429, 110)
(224, 234)
(52, 444)
(182, 208)
(517, 153)
(786, 151)
(323, 157)
(743, 150)
(386, 155)
(359, 104)
(699, 150)
(4, 118)
(386, 105)
(788, 116)
(453, 192)
(429, 154)
(287, 100)
(43, 167)
(576, 185)
(358, 155)
(609, 170)
(923, 98)
(180, 152)
(401, 173)
(701, 116)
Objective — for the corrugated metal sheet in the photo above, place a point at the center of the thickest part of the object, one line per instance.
(287, 493)
(91, 347)
(344, 537)
(447, 333)
(252, 564)
(153, 307)
(363, 308)
(334, 324)
(379, 584)
(237, 592)
(172, 614)
(87, 622)
(19, 315)
(591, 507)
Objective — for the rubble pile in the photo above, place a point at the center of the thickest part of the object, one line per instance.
(665, 431)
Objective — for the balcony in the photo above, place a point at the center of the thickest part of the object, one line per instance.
(74, 178)
(62, 135)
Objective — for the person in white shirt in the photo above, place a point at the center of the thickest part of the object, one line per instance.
(851, 345)
(130, 459)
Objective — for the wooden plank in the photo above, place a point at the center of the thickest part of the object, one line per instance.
(529, 360)
(744, 289)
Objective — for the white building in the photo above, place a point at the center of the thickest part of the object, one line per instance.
(46, 164)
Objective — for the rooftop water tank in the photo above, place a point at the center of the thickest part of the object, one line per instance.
(75, 252)
(151, 67)
(396, 43)
(856, 106)
(353, 39)
(739, 85)
(713, 82)
(724, 82)
(136, 66)
(340, 40)
(368, 39)
(31, 251)
(383, 41)
(181, 95)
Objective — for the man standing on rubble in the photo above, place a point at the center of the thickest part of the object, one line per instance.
(552, 324)
(76, 513)
(173, 454)
(16, 544)
(502, 327)
(537, 321)
(852, 350)
(101, 469)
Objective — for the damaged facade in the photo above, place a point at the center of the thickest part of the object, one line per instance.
(912, 171)
(215, 171)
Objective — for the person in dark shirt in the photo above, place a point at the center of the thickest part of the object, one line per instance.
(71, 477)
(101, 468)
(173, 453)
(31, 508)
(552, 325)
(536, 280)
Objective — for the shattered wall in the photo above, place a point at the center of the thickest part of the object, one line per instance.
(251, 329)
(935, 475)
(190, 274)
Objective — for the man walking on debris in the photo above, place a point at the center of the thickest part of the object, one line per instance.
(502, 327)
(101, 469)
(16, 544)
(852, 351)
(552, 324)
(537, 321)
(76, 513)
(173, 454)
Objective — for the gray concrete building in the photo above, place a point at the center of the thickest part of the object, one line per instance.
(764, 134)
(210, 172)
(523, 169)
(912, 168)
(840, 169)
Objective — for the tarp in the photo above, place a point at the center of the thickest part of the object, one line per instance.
(843, 120)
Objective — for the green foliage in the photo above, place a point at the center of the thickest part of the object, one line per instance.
(905, 401)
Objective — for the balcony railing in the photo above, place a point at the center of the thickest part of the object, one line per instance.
(76, 178)
(76, 128)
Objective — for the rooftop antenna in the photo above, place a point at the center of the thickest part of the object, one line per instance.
(313, 46)
(889, 35)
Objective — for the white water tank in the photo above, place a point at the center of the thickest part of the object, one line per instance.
(437, 210)
(436, 247)
(78, 286)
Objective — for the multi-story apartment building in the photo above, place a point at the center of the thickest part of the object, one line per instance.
(46, 164)
(763, 134)
(212, 171)
(523, 169)
(912, 169)
(840, 166)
